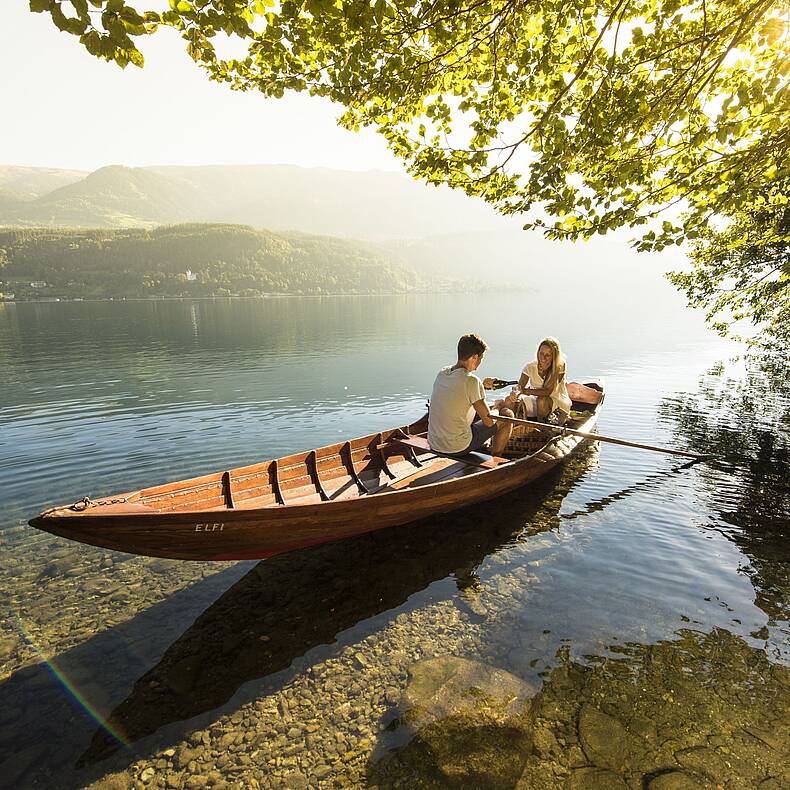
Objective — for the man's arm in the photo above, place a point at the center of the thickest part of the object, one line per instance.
(481, 407)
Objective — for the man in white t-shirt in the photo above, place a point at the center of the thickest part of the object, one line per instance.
(458, 399)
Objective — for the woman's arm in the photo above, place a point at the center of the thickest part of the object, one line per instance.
(540, 392)
(525, 389)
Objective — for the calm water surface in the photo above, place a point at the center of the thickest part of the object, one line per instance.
(292, 672)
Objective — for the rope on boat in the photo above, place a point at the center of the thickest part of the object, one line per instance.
(86, 502)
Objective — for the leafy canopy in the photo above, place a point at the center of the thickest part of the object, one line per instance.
(585, 115)
(742, 271)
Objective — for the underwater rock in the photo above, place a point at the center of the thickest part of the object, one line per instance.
(470, 601)
(114, 781)
(295, 781)
(769, 738)
(446, 686)
(8, 647)
(604, 739)
(62, 566)
(469, 749)
(161, 565)
(674, 780)
(471, 724)
(100, 587)
(182, 675)
(595, 779)
(544, 743)
(704, 761)
(184, 755)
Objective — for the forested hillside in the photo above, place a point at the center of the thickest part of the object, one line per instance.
(190, 260)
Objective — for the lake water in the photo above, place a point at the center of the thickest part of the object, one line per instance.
(645, 602)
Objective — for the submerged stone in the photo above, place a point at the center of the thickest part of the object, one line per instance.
(674, 780)
(704, 761)
(595, 779)
(471, 726)
(8, 647)
(604, 739)
(449, 685)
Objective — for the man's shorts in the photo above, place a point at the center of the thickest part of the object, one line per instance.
(480, 435)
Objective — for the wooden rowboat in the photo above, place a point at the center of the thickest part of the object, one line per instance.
(301, 500)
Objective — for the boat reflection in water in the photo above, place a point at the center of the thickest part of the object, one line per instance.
(289, 604)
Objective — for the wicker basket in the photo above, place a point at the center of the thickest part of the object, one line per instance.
(525, 439)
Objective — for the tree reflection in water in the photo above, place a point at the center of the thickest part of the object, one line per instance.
(745, 424)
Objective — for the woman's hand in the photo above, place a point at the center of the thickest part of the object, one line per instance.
(488, 383)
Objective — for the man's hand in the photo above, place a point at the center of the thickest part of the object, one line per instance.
(488, 383)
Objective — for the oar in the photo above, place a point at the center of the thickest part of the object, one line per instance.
(599, 438)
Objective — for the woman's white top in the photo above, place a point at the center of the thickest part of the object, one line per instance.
(559, 397)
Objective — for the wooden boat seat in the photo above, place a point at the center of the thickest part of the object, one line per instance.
(440, 469)
(481, 459)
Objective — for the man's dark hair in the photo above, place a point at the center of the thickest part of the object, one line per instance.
(469, 345)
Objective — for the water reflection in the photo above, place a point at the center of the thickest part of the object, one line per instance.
(649, 482)
(745, 424)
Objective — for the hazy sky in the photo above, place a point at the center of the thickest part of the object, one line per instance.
(64, 108)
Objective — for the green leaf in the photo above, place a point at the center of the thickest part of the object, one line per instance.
(92, 42)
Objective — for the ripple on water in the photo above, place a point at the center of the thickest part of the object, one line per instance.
(599, 568)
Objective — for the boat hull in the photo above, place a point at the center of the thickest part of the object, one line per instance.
(243, 534)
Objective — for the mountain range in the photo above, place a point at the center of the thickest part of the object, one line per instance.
(370, 205)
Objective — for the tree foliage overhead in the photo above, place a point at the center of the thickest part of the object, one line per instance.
(583, 115)
(742, 271)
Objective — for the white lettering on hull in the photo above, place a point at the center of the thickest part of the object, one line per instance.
(209, 527)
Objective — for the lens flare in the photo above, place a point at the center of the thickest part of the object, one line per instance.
(63, 679)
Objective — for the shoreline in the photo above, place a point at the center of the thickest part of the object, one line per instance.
(64, 299)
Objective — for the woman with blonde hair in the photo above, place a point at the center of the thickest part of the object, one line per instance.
(541, 392)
